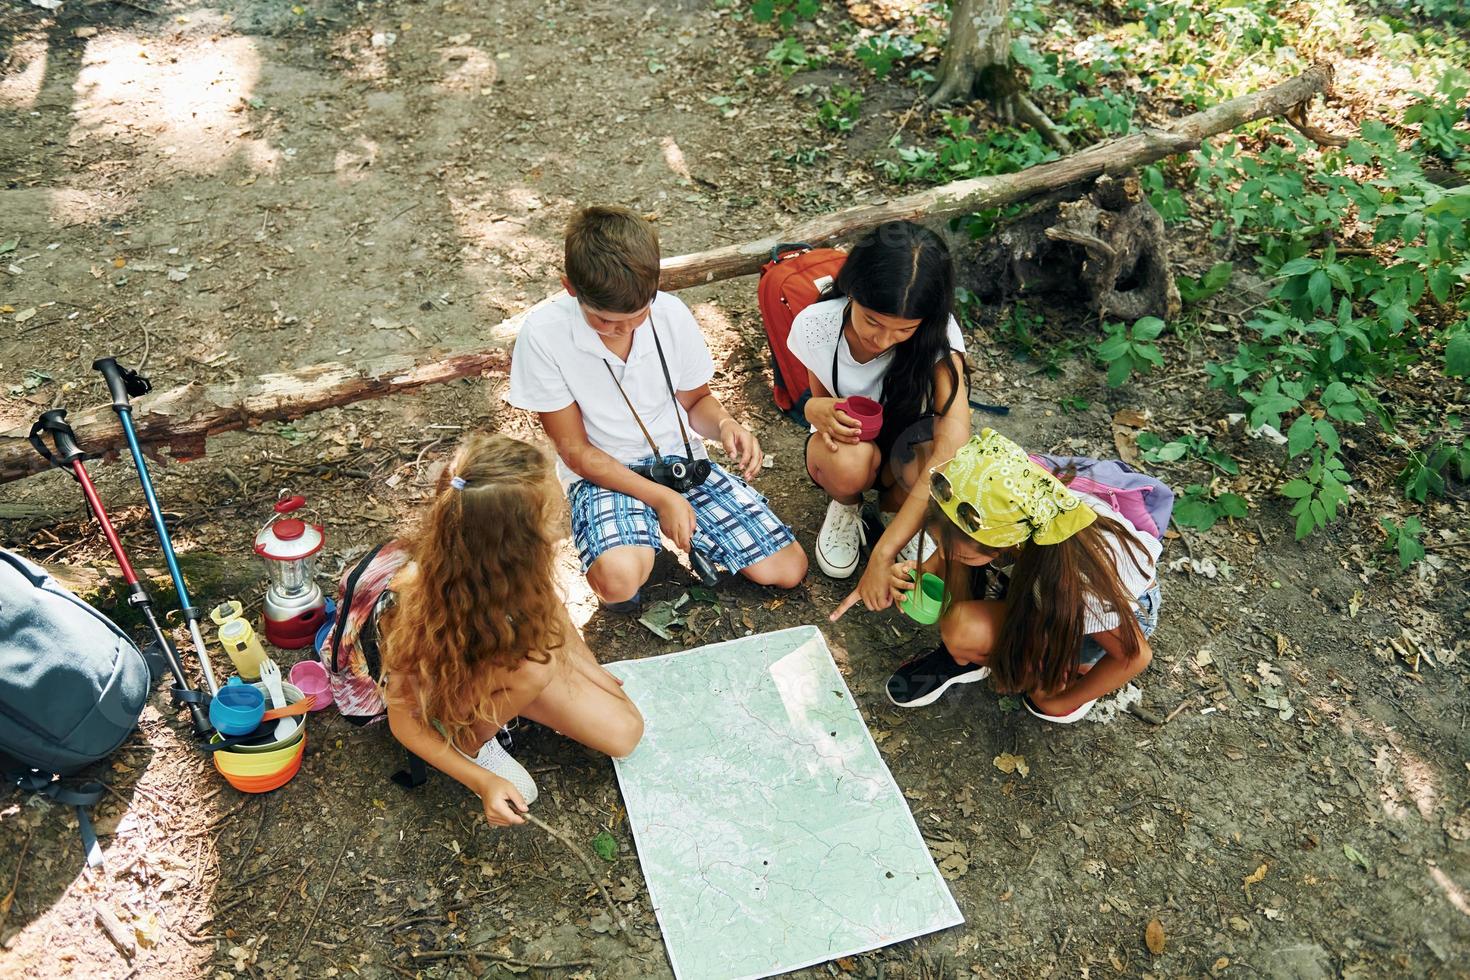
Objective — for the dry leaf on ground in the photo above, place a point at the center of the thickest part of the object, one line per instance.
(1154, 936)
(1006, 762)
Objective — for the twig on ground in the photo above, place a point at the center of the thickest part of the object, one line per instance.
(286, 895)
(347, 839)
(9, 898)
(586, 863)
(1143, 714)
(446, 954)
(245, 854)
(147, 343)
(1182, 705)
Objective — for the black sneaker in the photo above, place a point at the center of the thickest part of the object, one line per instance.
(923, 679)
(873, 528)
(628, 607)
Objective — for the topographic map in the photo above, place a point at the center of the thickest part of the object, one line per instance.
(770, 832)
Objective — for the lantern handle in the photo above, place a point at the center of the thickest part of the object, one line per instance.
(287, 504)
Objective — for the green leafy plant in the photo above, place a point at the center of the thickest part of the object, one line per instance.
(1156, 450)
(1403, 539)
(1193, 290)
(880, 52)
(1425, 473)
(1320, 493)
(1130, 350)
(1074, 405)
(840, 111)
(789, 55)
(783, 12)
(1198, 508)
(1168, 201)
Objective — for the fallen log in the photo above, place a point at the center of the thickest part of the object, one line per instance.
(181, 419)
(978, 193)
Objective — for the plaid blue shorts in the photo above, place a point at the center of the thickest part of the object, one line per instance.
(733, 524)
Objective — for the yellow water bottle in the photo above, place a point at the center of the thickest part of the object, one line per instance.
(238, 638)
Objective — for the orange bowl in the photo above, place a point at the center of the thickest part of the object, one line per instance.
(263, 784)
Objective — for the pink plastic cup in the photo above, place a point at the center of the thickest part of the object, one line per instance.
(311, 677)
(867, 413)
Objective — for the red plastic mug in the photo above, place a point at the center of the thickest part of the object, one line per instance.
(867, 413)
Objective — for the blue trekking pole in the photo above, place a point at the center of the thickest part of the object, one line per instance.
(123, 383)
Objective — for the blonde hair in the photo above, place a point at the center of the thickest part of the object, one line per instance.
(612, 259)
(484, 598)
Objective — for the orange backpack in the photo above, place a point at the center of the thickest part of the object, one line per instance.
(796, 277)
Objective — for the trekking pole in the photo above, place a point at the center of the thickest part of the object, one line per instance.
(68, 456)
(123, 383)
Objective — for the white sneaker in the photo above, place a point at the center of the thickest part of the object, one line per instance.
(1067, 719)
(910, 551)
(493, 757)
(841, 539)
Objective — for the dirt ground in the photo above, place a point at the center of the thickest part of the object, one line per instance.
(220, 191)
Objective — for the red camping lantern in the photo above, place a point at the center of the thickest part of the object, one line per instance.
(294, 605)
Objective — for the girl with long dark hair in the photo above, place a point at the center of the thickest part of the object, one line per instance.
(885, 331)
(1078, 597)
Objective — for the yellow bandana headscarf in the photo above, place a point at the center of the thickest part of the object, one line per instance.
(1010, 498)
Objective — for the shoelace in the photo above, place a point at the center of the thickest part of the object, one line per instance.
(847, 517)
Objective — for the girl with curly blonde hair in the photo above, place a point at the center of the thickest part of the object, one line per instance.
(475, 632)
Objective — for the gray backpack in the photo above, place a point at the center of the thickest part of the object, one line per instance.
(72, 685)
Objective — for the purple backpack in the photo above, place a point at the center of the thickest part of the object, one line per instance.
(1144, 501)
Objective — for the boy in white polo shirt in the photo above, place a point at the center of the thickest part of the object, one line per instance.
(619, 373)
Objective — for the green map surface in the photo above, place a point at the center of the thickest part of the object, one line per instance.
(770, 832)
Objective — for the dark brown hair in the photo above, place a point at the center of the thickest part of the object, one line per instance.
(484, 598)
(612, 259)
(1046, 601)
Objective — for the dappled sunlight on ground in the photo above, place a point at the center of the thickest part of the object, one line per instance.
(183, 112)
(466, 69)
(1453, 893)
(21, 88)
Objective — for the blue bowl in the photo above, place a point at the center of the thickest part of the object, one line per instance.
(326, 628)
(237, 708)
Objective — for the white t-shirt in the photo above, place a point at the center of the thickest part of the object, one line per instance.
(560, 360)
(818, 328)
(1099, 617)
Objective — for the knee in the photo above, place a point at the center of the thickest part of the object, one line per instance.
(625, 733)
(785, 569)
(850, 470)
(968, 633)
(618, 575)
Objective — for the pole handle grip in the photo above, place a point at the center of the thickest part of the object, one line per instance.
(54, 424)
(123, 384)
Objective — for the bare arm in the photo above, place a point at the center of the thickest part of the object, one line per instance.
(503, 803)
(832, 424)
(709, 418)
(1106, 676)
(951, 431)
(566, 431)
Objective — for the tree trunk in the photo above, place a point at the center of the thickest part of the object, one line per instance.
(1107, 249)
(182, 418)
(979, 38)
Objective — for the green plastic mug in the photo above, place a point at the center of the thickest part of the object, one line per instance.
(924, 603)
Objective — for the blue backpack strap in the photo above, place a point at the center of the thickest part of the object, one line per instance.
(80, 796)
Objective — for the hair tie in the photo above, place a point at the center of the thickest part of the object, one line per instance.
(457, 482)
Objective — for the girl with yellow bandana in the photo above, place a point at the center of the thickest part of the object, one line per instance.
(1079, 601)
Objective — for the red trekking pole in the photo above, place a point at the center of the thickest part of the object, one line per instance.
(68, 456)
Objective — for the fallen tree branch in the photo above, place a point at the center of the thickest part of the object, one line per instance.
(978, 193)
(1030, 114)
(182, 418)
(592, 871)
